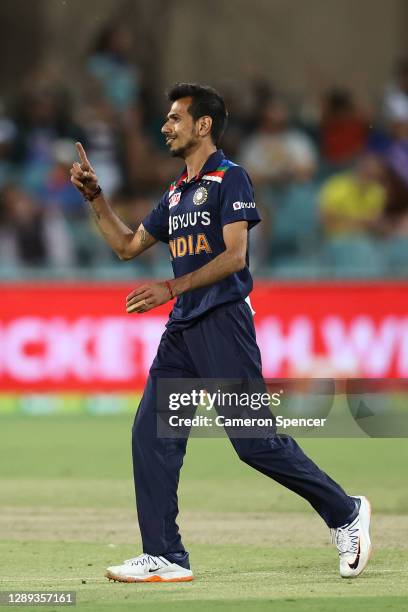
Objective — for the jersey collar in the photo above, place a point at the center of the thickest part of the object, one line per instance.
(212, 163)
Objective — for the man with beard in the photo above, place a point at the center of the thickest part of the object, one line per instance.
(205, 217)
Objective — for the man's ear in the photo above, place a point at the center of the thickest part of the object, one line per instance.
(204, 125)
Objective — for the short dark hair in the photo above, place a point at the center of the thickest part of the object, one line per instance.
(205, 101)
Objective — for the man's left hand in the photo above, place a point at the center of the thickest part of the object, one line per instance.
(146, 297)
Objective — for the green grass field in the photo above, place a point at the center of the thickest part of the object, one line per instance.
(67, 512)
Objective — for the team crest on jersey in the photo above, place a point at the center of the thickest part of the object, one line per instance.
(174, 199)
(200, 196)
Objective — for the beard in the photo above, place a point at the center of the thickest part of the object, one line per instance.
(185, 149)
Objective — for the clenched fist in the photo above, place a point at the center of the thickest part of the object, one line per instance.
(83, 176)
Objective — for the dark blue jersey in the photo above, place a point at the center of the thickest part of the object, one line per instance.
(190, 217)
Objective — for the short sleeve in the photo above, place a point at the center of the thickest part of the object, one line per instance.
(157, 221)
(237, 198)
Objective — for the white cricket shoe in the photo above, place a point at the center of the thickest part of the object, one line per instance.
(353, 541)
(148, 568)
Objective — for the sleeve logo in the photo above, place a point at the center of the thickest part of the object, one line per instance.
(240, 205)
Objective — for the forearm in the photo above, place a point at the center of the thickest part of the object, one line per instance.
(116, 233)
(217, 269)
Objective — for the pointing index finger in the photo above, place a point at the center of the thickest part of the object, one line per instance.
(82, 154)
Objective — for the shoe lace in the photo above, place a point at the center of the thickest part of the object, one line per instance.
(346, 538)
(143, 559)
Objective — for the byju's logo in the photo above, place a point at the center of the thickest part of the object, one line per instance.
(239, 205)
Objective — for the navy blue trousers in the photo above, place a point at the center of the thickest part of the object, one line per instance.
(222, 344)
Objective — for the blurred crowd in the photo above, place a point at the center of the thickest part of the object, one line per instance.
(331, 176)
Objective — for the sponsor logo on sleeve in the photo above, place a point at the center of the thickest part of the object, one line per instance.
(240, 205)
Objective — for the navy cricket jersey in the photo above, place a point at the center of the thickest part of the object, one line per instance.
(190, 217)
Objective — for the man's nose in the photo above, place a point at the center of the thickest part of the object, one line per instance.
(165, 129)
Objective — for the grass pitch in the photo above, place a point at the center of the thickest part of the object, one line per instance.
(67, 512)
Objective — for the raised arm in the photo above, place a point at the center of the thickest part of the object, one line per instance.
(125, 242)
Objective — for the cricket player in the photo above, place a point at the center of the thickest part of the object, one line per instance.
(205, 218)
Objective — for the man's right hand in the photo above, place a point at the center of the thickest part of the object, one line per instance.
(83, 175)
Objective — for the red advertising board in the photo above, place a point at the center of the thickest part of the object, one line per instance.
(61, 337)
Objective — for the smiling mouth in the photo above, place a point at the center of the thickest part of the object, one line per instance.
(170, 139)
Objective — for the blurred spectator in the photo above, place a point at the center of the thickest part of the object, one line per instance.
(122, 150)
(7, 135)
(275, 149)
(394, 149)
(65, 208)
(104, 137)
(109, 63)
(238, 128)
(343, 129)
(353, 202)
(42, 117)
(57, 191)
(243, 101)
(395, 215)
(396, 94)
(21, 237)
(293, 215)
(27, 237)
